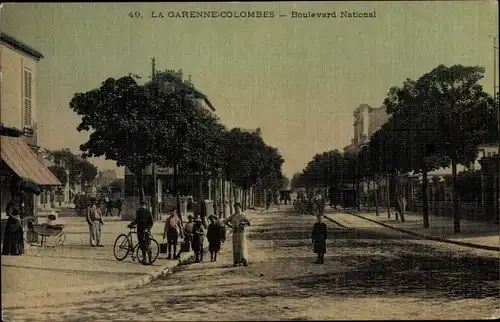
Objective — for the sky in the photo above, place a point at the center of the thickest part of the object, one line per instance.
(298, 79)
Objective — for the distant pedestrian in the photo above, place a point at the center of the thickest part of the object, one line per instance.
(144, 222)
(401, 207)
(109, 207)
(198, 238)
(319, 236)
(215, 236)
(188, 236)
(94, 219)
(119, 206)
(237, 222)
(173, 230)
(269, 199)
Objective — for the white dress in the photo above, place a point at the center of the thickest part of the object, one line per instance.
(238, 223)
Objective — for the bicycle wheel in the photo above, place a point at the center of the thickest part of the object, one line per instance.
(155, 251)
(121, 247)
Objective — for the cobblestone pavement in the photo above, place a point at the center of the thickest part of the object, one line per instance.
(368, 274)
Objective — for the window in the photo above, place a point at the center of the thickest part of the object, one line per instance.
(27, 108)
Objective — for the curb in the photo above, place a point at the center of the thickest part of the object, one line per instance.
(439, 239)
(337, 223)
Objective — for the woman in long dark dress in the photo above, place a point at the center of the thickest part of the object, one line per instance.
(319, 236)
(13, 239)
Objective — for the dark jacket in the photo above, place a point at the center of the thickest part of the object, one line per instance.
(319, 232)
(143, 219)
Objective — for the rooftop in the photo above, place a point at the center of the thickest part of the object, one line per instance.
(19, 45)
(171, 77)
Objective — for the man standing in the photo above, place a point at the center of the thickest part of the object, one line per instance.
(94, 219)
(144, 222)
(173, 230)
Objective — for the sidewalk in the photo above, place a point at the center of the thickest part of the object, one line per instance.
(77, 267)
(473, 234)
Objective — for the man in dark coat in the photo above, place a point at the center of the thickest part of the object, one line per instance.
(319, 236)
(144, 222)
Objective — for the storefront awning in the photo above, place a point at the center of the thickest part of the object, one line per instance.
(24, 162)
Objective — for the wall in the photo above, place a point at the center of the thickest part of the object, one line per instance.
(13, 63)
(377, 118)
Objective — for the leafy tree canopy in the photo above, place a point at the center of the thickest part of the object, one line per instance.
(80, 170)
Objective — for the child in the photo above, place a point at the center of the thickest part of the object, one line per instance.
(319, 236)
(215, 237)
(198, 236)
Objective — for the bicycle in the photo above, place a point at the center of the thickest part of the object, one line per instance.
(125, 242)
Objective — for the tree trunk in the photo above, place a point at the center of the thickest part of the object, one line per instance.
(223, 203)
(454, 206)
(375, 195)
(358, 195)
(388, 194)
(200, 187)
(231, 192)
(176, 191)
(425, 205)
(140, 184)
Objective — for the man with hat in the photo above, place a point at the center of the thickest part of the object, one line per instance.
(94, 219)
(173, 230)
(144, 222)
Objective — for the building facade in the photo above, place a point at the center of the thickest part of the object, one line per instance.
(18, 110)
(367, 121)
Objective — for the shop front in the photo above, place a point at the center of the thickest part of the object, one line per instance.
(22, 175)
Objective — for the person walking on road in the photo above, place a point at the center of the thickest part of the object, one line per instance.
(173, 230)
(319, 236)
(108, 203)
(188, 236)
(94, 219)
(144, 222)
(198, 236)
(214, 236)
(237, 222)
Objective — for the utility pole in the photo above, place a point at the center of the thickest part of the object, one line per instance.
(154, 197)
(495, 48)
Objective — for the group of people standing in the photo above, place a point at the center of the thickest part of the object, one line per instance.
(194, 231)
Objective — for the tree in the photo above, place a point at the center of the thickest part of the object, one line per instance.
(297, 181)
(136, 125)
(60, 173)
(81, 171)
(119, 114)
(466, 115)
(440, 119)
(324, 169)
(246, 160)
(413, 131)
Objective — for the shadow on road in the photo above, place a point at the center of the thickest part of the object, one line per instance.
(358, 265)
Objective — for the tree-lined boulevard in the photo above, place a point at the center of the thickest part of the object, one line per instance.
(436, 121)
(400, 224)
(369, 273)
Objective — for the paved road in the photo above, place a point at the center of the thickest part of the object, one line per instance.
(367, 275)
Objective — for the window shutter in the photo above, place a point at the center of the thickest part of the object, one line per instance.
(28, 92)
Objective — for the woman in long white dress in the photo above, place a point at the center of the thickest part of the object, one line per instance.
(237, 222)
